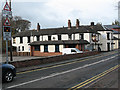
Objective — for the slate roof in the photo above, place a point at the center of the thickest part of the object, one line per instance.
(111, 26)
(59, 42)
(64, 30)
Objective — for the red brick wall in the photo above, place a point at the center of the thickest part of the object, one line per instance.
(38, 53)
(39, 61)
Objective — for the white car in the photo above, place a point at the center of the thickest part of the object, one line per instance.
(70, 51)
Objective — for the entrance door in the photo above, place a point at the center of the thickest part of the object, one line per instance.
(108, 46)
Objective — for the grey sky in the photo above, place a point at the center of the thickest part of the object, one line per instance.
(55, 13)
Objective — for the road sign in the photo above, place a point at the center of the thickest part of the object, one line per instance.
(6, 32)
(7, 7)
(6, 12)
(7, 22)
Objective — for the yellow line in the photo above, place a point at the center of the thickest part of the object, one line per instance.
(94, 78)
(91, 78)
(61, 64)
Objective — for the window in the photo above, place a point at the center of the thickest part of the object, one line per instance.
(70, 37)
(19, 48)
(22, 48)
(28, 39)
(73, 51)
(59, 37)
(21, 39)
(81, 36)
(37, 48)
(49, 37)
(38, 39)
(57, 48)
(108, 36)
(45, 48)
(14, 41)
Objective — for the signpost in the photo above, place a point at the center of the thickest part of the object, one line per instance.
(7, 14)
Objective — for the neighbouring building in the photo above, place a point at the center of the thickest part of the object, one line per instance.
(48, 42)
(116, 35)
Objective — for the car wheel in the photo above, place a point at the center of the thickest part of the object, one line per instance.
(8, 77)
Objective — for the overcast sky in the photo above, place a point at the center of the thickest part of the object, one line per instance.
(55, 13)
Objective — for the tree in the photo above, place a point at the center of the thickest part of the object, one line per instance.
(116, 22)
(18, 24)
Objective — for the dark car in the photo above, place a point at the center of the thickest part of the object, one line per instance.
(8, 72)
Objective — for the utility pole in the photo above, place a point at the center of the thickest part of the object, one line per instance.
(11, 59)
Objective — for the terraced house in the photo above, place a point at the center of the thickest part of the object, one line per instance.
(48, 42)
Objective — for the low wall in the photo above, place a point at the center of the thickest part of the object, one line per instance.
(34, 62)
(38, 53)
(20, 53)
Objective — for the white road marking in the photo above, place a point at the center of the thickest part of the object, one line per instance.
(56, 74)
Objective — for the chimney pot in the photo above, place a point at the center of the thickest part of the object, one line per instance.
(92, 23)
(38, 27)
(77, 23)
(69, 24)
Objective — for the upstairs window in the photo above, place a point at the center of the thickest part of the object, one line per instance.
(21, 39)
(59, 37)
(38, 38)
(28, 39)
(81, 36)
(70, 37)
(108, 36)
(49, 37)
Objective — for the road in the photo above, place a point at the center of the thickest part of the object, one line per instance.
(88, 72)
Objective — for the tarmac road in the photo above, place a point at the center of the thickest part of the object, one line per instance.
(70, 74)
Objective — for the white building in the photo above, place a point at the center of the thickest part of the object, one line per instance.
(47, 42)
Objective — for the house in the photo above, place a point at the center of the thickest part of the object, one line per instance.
(116, 35)
(49, 42)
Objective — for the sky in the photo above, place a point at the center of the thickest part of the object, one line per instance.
(55, 13)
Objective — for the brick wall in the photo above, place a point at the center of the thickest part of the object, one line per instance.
(38, 53)
(34, 62)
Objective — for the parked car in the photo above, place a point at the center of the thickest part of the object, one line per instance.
(70, 51)
(8, 72)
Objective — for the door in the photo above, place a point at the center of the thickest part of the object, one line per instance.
(108, 46)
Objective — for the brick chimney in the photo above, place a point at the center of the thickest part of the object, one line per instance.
(38, 27)
(69, 24)
(77, 23)
(92, 24)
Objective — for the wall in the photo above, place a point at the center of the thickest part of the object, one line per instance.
(116, 44)
(33, 62)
